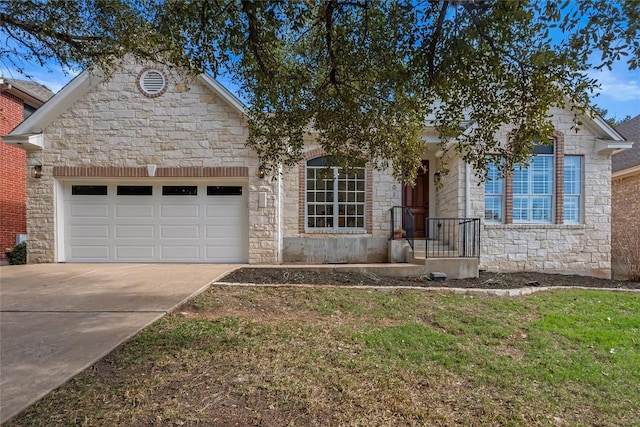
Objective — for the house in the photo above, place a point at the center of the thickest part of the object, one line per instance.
(148, 167)
(625, 201)
(18, 100)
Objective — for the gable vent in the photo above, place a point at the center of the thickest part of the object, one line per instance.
(152, 83)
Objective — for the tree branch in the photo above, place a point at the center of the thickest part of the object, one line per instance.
(434, 40)
(248, 7)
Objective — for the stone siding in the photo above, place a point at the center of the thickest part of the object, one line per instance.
(450, 197)
(114, 125)
(583, 248)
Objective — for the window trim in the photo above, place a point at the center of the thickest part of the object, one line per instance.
(579, 195)
(335, 203)
(558, 196)
(500, 195)
(530, 195)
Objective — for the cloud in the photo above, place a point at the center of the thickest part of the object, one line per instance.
(621, 86)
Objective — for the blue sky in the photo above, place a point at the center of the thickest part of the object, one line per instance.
(619, 91)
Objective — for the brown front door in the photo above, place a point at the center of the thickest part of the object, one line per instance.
(416, 198)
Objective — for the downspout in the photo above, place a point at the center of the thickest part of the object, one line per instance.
(467, 191)
(279, 219)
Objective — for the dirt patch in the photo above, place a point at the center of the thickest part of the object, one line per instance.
(485, 281)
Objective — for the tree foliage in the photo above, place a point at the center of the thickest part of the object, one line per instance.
(362, 76)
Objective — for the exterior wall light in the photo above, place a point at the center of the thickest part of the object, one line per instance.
(36, 171)
(261, 171)
(436, 177)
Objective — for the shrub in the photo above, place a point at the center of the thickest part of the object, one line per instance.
(18, 254)
(628, 249)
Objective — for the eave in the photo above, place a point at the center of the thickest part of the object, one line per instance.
(29, 141)
(635, 170)
(606, 147)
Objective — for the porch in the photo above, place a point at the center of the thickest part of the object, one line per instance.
(448, 245)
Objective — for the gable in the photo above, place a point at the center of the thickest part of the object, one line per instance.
(94, 88)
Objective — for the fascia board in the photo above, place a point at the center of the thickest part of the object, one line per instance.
(230, 98)
(25, 141)
(57, 105)
(626, 172)
(608, 147)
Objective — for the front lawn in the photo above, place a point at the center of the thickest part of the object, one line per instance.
(311, 356)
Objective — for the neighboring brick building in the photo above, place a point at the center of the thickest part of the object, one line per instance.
(18, 99)
(625, 200)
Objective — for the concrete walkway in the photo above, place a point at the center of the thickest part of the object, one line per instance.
(58, 319)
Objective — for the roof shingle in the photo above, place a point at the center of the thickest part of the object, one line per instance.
(631, 157)
(36, 90)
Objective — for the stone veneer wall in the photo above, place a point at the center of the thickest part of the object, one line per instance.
(583, 248)
(450, 197)
(113, 124)
(369, 245)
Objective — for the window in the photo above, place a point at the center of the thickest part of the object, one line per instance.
(135, 190)
(89, 190)
(572, 188)
(493, 195)
(548, 189)
(179, 190)
(533, 190)
(224, 190)
(335, 199)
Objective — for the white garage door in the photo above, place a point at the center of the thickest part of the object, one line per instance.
(155, 222)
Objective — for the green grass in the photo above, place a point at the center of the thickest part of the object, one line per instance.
(309, 356)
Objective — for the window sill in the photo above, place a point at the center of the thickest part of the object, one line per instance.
(529, 226)
(336, 232)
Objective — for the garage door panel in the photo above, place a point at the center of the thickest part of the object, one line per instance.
(223, 210)
(89, 231)
(220, 231)
(89, 211)
(179, 211)
(90, 252)
(185, 253)
(179, 231)
(134, 211)
(135, 252)
(139, 231)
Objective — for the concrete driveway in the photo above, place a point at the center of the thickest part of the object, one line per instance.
(58, 319)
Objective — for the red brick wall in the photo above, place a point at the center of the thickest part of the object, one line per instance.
(12, 175)
(625, 220)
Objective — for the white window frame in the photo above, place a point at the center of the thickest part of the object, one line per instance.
(532, 196)
(497, 197)
(571, 184)
(335, 220)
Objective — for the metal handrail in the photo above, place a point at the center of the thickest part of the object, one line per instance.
(453, 237)
(402, 218)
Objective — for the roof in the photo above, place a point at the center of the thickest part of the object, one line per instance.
(628, 158)
(27, 90)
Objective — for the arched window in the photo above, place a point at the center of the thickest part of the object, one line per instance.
(335, 199)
